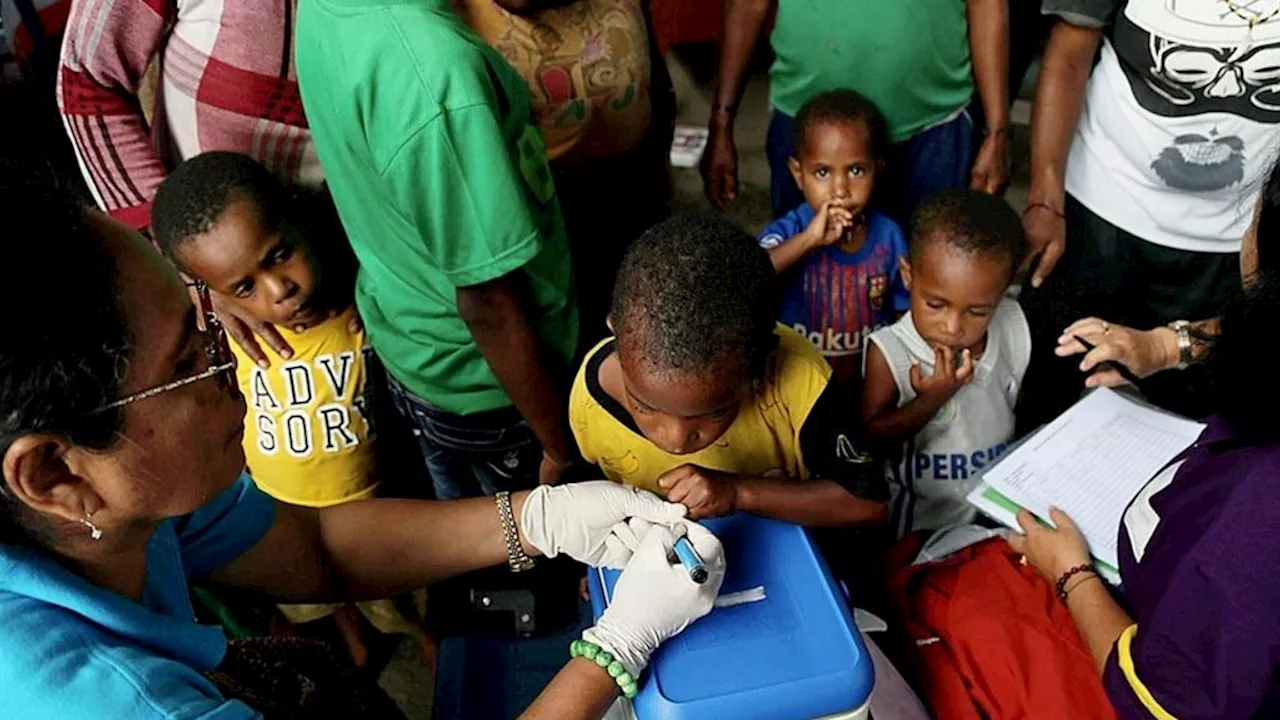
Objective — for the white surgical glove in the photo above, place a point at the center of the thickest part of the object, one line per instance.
(655, 600)
(579, 519)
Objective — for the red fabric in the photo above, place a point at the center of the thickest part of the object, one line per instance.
(226, 82)
(687, 21)
(989, 640)
(53, 18)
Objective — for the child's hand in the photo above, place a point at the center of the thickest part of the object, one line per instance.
(946, 379)
(707, 493)
(829, 225)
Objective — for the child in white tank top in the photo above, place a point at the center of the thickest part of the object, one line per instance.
(941, 383)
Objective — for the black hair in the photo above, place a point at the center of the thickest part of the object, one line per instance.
(971, 221)
(193, 197)
(1247, 344)
(844, 107)
(66, 345)
(697, 294)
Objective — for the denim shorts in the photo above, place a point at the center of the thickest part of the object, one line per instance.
(470, 455)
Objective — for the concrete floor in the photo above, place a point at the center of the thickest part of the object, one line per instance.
(693, 74)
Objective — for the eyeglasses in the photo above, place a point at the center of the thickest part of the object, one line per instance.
(221, 363)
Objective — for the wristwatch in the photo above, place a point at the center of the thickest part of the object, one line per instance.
(1182, 329)
(517, 559)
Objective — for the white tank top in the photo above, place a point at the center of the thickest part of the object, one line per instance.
(941, 464)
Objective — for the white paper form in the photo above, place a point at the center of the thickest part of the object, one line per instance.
(1091, 461)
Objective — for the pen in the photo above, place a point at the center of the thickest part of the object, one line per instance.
(690, 559)
(1125, 372)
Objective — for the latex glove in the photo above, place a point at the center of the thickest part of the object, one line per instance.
(578, 519)
(655, 600)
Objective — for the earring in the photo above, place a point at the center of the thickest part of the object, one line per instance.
(94, 531)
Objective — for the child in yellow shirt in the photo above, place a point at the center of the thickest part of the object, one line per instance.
(703, 397)
(309, 437)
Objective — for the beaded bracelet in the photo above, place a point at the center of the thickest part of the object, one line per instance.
(603, 658)
(1070, 573)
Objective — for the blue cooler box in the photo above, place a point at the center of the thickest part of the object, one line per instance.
(794, 655)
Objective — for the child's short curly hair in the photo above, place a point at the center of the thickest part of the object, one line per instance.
(193, 197)
(971, 221)
(845, 107)
(696, 294)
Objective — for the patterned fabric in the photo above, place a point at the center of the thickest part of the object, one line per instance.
(297, 679)
(226, 83)
(1179, 122)
(587, 65)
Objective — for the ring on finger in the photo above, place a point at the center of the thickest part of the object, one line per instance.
(1106, 327)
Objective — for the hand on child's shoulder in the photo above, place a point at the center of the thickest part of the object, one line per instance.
(947, 378)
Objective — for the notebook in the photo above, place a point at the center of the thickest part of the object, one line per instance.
(1090, 462)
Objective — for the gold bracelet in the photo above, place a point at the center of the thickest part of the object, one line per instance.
(517, 559)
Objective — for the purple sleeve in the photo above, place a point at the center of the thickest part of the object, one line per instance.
(1206, 647)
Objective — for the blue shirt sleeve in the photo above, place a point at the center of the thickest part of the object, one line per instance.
(786, 227)
(225, 528)
(897, 290)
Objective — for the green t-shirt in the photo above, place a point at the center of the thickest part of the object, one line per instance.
(910, 57)
(428, 144)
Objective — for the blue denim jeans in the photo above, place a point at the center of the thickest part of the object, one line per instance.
(470, 455)
(935, 159)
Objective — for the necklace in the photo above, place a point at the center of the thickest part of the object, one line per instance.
(1245, 12)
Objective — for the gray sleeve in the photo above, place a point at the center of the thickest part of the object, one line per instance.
(1084, 13)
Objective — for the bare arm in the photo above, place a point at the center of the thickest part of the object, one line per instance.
(713, 493)
(497, 319)
(1098, 617)
(743, 22)
(791, 252)
(370, 549)
(989, 48)
(810, 503)
(1056, 551)
(884, 419)
(580, 691)
(1064, 75)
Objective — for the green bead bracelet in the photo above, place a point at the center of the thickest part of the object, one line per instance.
(606, 661)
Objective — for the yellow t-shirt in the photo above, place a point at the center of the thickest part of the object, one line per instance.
(308, 434)
(795, 425)
(588, 66)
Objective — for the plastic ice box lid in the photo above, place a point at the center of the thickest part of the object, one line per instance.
(795, 654)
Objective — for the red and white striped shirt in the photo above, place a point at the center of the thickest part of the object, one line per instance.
(226, 83)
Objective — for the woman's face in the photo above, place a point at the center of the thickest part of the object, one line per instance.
(180, 448)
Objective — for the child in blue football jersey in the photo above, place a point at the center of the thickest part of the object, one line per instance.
(839, 260)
